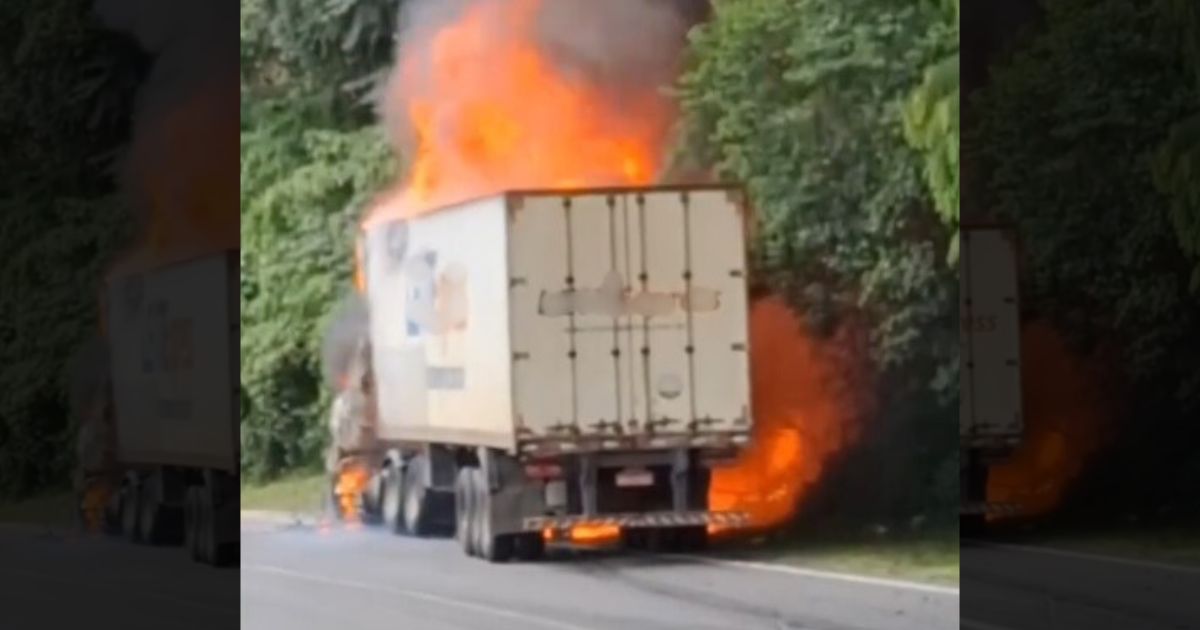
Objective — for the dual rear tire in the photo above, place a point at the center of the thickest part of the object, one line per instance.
(473, 523)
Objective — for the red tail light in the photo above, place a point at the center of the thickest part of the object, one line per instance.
(543, 470)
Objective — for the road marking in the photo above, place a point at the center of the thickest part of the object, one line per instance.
(1079, 555)
(420, 595)
(969, 624)
(827, 575)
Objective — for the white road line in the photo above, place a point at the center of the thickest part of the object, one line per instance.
(828, 575)
(1079, 555)
(969, 624)
(420, 595)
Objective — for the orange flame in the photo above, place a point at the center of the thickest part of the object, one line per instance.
(352, 479)
(803, 416)
(182, 175)
(484, 110)
(1066, 424)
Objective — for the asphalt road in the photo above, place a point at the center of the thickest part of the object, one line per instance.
(1038, 588)
(54, 579)
(302, 578)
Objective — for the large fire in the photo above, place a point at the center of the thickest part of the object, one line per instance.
(484, 108)
(182, 176)
(479, 105)
(1066, 424)
(806, 409)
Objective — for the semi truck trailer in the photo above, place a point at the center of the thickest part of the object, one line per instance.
(990, 414)
(166, 400)
(537, 362)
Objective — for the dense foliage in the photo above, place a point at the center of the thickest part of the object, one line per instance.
(1069, 131)
(841, 118)
(311, 157)
(59, 219)
(1089, 136)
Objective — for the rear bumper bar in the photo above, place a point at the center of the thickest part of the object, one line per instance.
(640, 520)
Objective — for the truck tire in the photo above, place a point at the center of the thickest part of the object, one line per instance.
(464, 511)
(149, 522)
(418, 503)
(195, 525)
(489, 546)
(392, 501)
(529, 547)
(190, 537)
(130, 511)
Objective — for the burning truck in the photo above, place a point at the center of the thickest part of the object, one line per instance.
(155, 392)
(535, 365)
(546, 343)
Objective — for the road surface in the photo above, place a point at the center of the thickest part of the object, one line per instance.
(52, 579)
(305, 578)
(1038, 588)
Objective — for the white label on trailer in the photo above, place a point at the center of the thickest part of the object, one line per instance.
(635, 478)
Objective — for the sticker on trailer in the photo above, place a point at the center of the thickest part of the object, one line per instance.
(635, 478)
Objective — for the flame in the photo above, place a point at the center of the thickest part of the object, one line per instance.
(485, 110)
(1066, 424)
(182, 175)
(352, 479)
(802, 414)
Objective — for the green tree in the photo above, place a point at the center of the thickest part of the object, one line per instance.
(303, 188)
(311, 157)
(68, 87)
(1177, 165)
(1069, 129)
(931, 121)
(804, 102)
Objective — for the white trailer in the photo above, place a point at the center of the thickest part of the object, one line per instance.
(990, 414)
(172, 337)
(544, 359)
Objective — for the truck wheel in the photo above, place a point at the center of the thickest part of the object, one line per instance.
(464, 511)
(418, 519)
(489, 546)
(393, 498)
(112, 515)
(529, 547)
(149, 522)
(194, 524)
(205, 539)
(130, 511)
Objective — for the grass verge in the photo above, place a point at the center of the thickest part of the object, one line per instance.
(52, 508)
(928, 557)
(293, 494)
